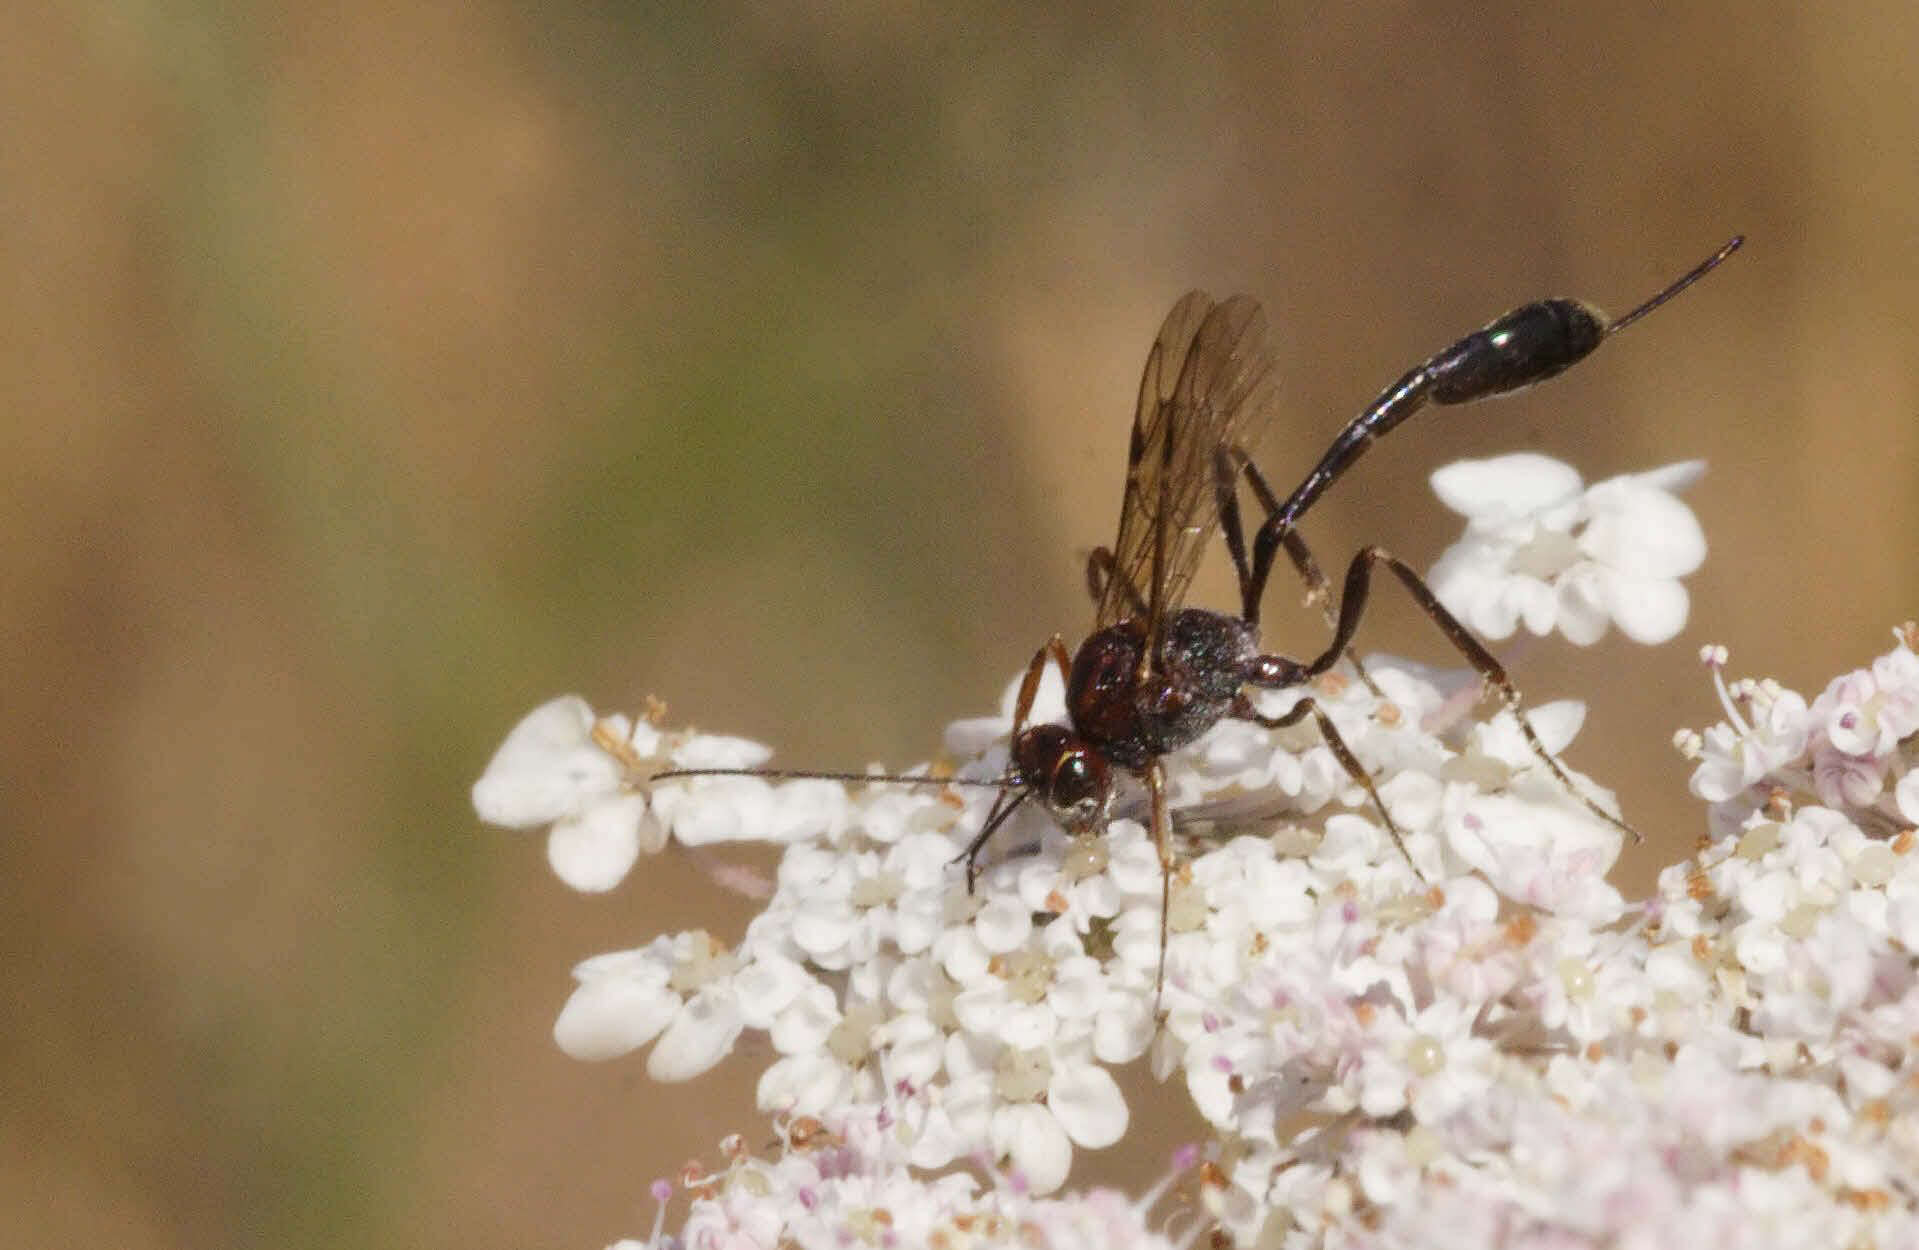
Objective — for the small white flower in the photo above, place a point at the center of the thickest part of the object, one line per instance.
(842, 908)
(689, 991)
(1545, 852)
(1844, 779)
(623, 1001)
(1734, 758)
(553, 771)
(848, 1180)
(1539, 552)
(1906, 795)
(547, 769)
(1463, 949)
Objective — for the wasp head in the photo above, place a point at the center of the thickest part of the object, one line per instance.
(1069, 776)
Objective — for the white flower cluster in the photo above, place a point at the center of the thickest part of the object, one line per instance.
(1496, 1051)
(872, 971)
(1849, 748)
(582, 779)
(846, 1181)
(1542, 551)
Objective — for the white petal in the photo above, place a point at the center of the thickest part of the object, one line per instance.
(805, 1024)
(913, 1049)
(1535, 602)
(956, 1125)
(961, 955)
(1583, 603)
(1761, 949)
(1209, 1086)
(613, 1015)
(700, 1036)
(1649, 612)
(1030, 1136)
(1644, 532)
(1086, 1101)
(1079, 987)
(1123, 1031)
(1673, 968)
(1557, 724)
(1505, 488)
(866, 982)
(1902, 921)
(1547, 854)
(1350, 844)
(1382, 1088)
(980, 1011)
(1049, 700)
(891, 813)
(807, 808)
(717, 751)
(1906, 795)
(968, 1060)
(936, 1142)
(966, 738)
(923, 860)
(1767, 897)
(547, 768)
(768, 986)
(1671, 477)
(1132, 862)
(1474, 588)
(1461, 560)
(919, 918)
(594, 851)
(1003, 924)
(802, 1085)
(1412, 798)
(822, 932)
(645, 738)
(1027, 1026)
(716, 809)
(1496, 613)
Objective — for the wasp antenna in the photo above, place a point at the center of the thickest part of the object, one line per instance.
(1685, 280)
(797, 774)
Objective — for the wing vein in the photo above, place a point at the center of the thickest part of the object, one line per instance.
(1208, 382)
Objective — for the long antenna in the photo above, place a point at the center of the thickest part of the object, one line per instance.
(797, 774)
(1691, 276)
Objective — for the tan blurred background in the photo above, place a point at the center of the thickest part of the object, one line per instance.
(374, 371)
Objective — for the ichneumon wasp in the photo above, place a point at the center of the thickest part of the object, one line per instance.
(1154, 674)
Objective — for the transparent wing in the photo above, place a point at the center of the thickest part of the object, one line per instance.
(1209, 381)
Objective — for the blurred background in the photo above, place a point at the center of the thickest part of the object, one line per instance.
(373, 372)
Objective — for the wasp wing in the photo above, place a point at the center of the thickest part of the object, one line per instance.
(1208, 382)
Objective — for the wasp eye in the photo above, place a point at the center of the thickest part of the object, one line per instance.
(1078, 789)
